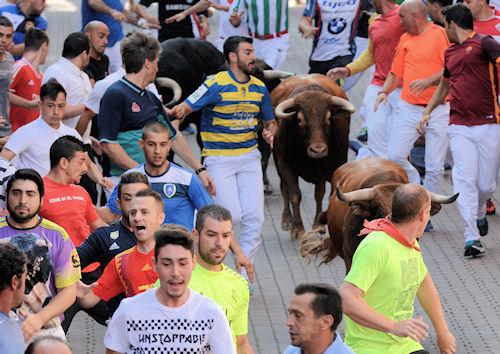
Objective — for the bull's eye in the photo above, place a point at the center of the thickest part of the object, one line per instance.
(301, 120)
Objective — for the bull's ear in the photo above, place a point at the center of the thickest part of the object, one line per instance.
(337, 112)
(360, 208)
(435, 208)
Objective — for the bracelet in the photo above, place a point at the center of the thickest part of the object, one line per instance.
(200, 170)
(381, 92)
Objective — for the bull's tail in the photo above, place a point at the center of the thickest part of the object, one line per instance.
(314, 243)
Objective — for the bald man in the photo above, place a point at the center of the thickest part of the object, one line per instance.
(418, 64)
(98, 67)
(48, 345)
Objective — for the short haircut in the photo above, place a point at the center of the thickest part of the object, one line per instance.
(408, 201)
(172, 234)
(51, 89)
(27, 174)
(131, 178)
(34, 39)
(460, 14)
(148, 192)
(213, 211)
(136, 47)
(74, 44)
(66, 146)
(441, 3)
(12, 263)
(232, 44)
(4, 21)
(326, 302)
(154, 127)
(31, 348)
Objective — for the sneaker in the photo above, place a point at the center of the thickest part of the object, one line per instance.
(473, 249)
(429, 227)
(490, 207)
(482, 226)
(363, 135)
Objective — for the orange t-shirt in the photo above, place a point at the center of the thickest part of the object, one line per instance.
(418, 57)
(130, 273)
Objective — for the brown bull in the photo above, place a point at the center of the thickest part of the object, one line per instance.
(364, 192)
(312, 142)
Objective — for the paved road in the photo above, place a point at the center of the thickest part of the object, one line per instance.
(469, 288)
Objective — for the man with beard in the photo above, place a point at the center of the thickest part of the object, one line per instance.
(51, 279)
(13, 273)
(98, 66)
(171, 318)
(233, 101)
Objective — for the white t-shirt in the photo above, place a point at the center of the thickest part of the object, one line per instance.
(93, 103)
(226, 29)
(31, 143)
(77, 85)
(141, 324)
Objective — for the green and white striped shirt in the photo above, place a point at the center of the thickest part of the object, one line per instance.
(265, 17)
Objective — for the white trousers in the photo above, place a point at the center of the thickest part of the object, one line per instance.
(115, 57)
(273, 51)
(238, 180)
(476, 156)
(378, 123)
(404, 135)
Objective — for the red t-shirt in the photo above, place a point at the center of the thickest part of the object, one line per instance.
(26, 83)
(130, 273)
(471, 68)
(489, 26)
(69, 206)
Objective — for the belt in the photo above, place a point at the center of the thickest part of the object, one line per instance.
(269, 36)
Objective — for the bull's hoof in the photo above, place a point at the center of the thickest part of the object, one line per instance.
(267, 189)
(286, 225)
(297, 232)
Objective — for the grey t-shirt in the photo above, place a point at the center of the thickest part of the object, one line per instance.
(6, 72)
(11, 340)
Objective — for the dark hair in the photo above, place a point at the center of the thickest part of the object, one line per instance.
(148, 192)
(51, 89)
(408, 202)
(326, 302)
(213, 211)
(12, 263)
(66, 146)
(136, 47)
(74, 44)
(27, 174)
(155, 127)
(34, 39)
(232, 43)
(172, 234)
(131, 178)
(31, 348)
(4, 21)
(460, 14)
(442, 3)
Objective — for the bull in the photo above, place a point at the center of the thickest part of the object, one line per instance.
(364, 192)
(312, 141)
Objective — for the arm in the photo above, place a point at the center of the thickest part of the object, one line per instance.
(243, 345)
(418, 86)
(437, 98)
(95, 174)
(73, 110)
(97, 224)
(116, 154)
(107, 215)
(61, 302)
(429, 299)
(99, 5)
(269, 131)
(16, 100)
(198, 7)
(181, 111)
(86, 297)
(306, 27)
(391, 83)
(240, 259)
(7, 154)
(89, 251)
(84, 121)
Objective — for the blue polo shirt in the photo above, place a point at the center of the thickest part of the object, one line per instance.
(182, 192)
(18, 19)
(115, 27)
(125, 110)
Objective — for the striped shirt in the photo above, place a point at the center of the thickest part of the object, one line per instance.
(265, 17)
(231, 110)
(7, 169)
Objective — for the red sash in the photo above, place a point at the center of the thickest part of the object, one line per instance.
(388, 227)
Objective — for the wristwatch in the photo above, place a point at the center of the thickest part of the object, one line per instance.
(200, 170)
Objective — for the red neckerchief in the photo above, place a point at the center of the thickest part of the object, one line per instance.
(388, 227)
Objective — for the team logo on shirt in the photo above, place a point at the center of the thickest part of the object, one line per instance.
(337, 25)
(468, 50)
(114, 234)
(135, 107)
(31, 83)
(75, 259)
(169, 189)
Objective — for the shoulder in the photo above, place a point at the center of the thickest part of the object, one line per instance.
(235, 278)
(3, 222)
(205, 304)
(67, 130)
(221, 78)
(180, 174)
(292, 350)
(10, 9)
(256, 82)
(55, 228)
(116, 88)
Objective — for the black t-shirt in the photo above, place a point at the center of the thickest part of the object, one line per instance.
(169, 8)
(98, 69)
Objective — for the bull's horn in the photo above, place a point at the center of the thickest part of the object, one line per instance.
(343, 103)
(173, 85)
(276, 74)
(355, 196)
(443, 199)
(280, 110)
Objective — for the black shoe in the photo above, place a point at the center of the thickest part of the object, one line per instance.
(363, 135)
(482, 226)
(474, 249)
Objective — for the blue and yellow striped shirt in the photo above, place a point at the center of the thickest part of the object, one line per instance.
(231, 110)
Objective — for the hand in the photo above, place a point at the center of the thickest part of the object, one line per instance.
(422, 123)
(106, 183)
(416, 329)
(381, 98)
(205, 28)
(83, 289)
(309, 31)
(35, 103)
(179, 111)
(446, 343)
(418, 86)
(31, 325)
(96, 146)
(338, 73)
(176, 18)
(235, 18)
(268, 136)
(152, 21)
(4, 212)
(118, 15)
(241, 260)
(208, 182)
